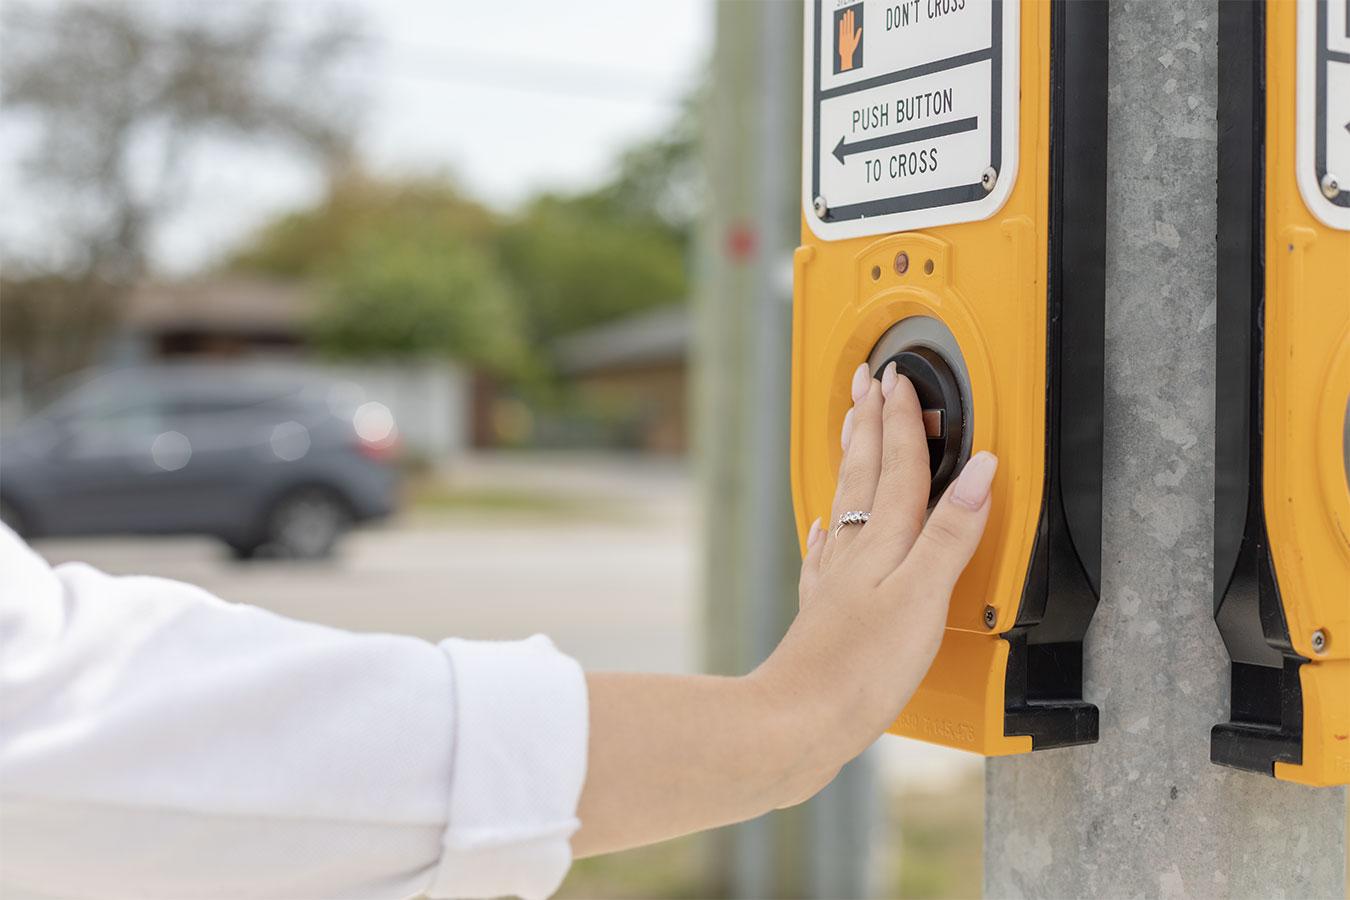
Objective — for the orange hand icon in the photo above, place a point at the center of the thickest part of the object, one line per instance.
(848, 41)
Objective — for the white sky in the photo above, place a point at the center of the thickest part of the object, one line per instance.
(509, 97)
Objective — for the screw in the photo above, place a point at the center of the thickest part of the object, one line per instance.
(990, 617)
(1319, 641)
(901, 263)
(1331, 186)
(820, 207)
(988, 179)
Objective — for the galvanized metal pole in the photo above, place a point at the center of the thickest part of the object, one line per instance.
(1144, 812)
(742, 390)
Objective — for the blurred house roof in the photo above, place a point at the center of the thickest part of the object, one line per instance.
(659, 337)
(234, 304)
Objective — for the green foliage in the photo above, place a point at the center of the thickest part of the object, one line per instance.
(52, 326)
(303, 243)
(417, 267)
(575, 266)
(404, 268)
(941, 840)
(658, 182)
(622, 248)
(407, 292)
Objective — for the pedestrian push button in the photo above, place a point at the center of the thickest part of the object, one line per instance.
(943, 414)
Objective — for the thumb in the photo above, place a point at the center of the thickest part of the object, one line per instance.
(954, 529)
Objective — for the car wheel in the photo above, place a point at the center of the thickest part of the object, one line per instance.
(10, 516)
(243, 550)
(305, 524)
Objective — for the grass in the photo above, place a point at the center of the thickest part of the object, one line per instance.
(941, 835)
(937, 854)
(669, 869)
(429, 497)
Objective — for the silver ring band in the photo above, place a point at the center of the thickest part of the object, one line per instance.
(854, 517)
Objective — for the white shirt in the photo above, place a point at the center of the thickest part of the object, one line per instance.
(156, 741)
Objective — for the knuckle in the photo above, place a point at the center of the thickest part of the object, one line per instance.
(943, 533)
(852, 481)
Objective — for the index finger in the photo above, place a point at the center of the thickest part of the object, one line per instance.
(905, 479)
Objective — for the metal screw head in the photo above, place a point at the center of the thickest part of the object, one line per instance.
(990, 617)
(820, 206)
(1331, 186)
(1319, 641)
(901, 263)
(988, 178)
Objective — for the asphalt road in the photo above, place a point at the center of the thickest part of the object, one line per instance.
(616, 590)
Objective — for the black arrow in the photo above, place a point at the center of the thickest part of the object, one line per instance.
(904, 137)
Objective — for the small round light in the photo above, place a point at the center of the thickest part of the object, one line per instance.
(290, 441)
(373, 422)
(171, 451)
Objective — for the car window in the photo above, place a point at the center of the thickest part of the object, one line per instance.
(246, 401)
(208, 406)
(116, 430)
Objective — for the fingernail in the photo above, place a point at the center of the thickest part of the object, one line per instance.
(860, 380)
(813, 536)
(889, 379)
(847, 434)
(972, 487)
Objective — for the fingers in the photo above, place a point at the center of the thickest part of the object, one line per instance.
(904, 484)
(862, 459)
(806, 585)
(952, 533)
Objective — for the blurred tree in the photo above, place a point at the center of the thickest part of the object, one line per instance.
(580, 260)
(575, 266)
(303, 243)
(405, 291)
(404, 267)
(415, 266)
(49, 327)
(659, 181)
(115, 99)
(119, 94)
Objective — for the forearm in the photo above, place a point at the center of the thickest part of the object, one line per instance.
(673, 754)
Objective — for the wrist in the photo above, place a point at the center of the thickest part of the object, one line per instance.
(798, 743)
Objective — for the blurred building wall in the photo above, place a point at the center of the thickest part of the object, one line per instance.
(432, 401)
(636, 369)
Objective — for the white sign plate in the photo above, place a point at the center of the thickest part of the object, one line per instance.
(910, 113)
(1322, 144)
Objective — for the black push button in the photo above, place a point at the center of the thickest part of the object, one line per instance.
(944, 420)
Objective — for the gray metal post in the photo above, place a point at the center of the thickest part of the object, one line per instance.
(752, 132)
(1143, 812)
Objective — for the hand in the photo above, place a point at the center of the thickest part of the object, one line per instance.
(848, 41)
(874, 597)
(671, 754)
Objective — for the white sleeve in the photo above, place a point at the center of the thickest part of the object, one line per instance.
(158, 742)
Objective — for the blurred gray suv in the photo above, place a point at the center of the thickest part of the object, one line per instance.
(270, 462)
